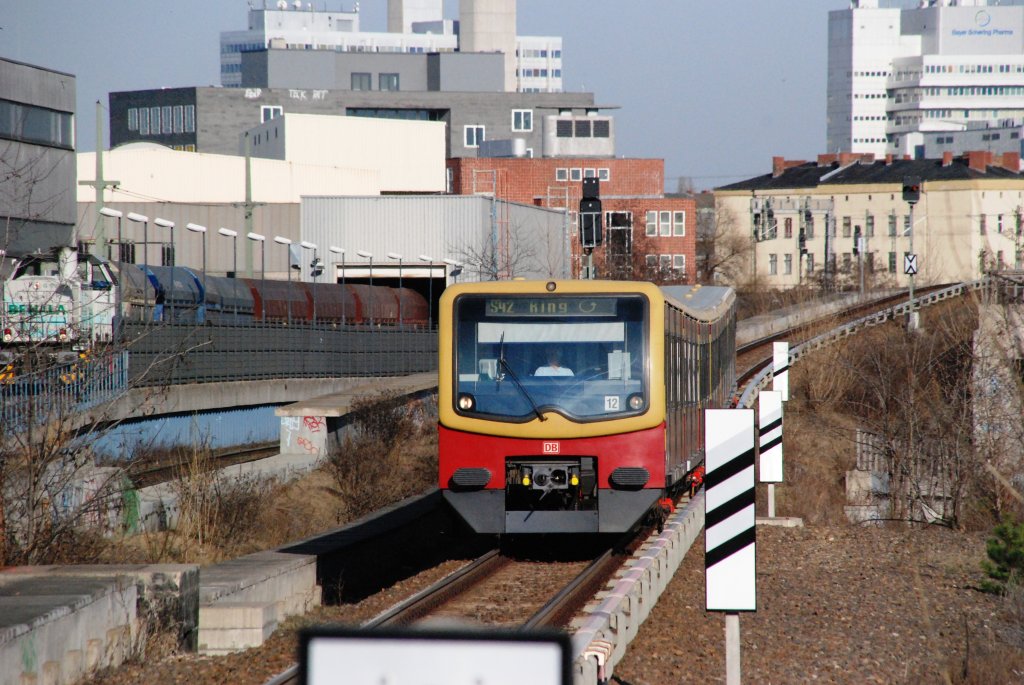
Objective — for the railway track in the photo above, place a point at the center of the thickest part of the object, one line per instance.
(160, 470)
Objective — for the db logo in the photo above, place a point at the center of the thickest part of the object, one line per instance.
(551, 448)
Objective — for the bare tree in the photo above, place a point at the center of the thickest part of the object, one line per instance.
(723, 250)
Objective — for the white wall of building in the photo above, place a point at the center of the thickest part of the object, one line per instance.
(409, 155)
(153, 173)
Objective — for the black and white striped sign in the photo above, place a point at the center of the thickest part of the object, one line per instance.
(770, 428)
(729, 510)
(780, 369)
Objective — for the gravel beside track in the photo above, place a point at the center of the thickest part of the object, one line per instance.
(835, 605)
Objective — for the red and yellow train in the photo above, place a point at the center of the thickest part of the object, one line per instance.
(576, 406)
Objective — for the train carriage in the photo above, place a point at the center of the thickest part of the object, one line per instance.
(574, 406)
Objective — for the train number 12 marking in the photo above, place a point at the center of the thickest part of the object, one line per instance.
(552, 448)
(611, 402)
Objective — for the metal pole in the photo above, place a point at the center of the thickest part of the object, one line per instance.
(732, 648)
(344, 293)
(263, 278)
(371, 290)
(174, 262)
(430, 297)
(120, 305)
(288, 264)
(205, 294)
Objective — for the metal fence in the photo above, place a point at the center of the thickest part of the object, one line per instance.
(168, 354)
(57, 394)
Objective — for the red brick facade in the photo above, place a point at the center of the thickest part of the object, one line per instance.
(632, 193)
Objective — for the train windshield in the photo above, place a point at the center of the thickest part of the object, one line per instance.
(581, 356)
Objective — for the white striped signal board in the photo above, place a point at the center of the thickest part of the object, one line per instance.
(729, 522)
(770, 430)
(780, 369)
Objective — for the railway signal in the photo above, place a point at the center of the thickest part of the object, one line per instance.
(590, 222)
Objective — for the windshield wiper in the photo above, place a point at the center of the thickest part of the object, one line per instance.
(515, 379)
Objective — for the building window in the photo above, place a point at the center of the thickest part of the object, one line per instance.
(604, 175)
(582, 128)
(575, 174)
(38, 125)
(652, 224)
(892, 262)
(981, 224)
(144, 121)
(133, 119)
(679, 223)
(563, 128)
(602, 128)
(679, 264)
(268, 112)
(773, 264)
(787, 264)
(810, 263)
(473, 135)
(190, 118)
(561, 174)
(167, 123)
(809, 228)
(590, 173)
(847, 260)
(787, 228)
(892, 225)
(522, 120)
(846, 227)
(665, 224)
(154, 120)
(651, 261)
(361, 81)
(666, 263)
(387, 81)
(869, 226)
(179, 118)
(999, 224)
(167, 255)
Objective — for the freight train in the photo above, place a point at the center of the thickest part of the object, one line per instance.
(183, 295)
(58, 307)
(576, 406)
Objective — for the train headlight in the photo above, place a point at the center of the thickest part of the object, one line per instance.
(525, 479)
(635, 402)
(574, 480)
(466, 402)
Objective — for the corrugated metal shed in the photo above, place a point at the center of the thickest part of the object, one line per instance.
(529, 241)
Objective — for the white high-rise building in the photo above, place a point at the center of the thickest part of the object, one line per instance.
(533, 63)
(895, 74)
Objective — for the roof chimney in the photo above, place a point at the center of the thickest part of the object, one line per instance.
(778, 166)
(947, 158)
(978, 160)
(888, 159)
(826, 159)
(1011, 161)
(847, 158)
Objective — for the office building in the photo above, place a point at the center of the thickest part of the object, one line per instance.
(896, 75)
(530, 63)
(37, 154)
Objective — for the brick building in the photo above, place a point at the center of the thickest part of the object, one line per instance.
(647, 235)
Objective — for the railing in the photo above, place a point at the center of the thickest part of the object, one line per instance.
(56, 394)
(166, 354)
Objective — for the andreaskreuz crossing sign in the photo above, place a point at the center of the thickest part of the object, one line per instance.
(910, 264)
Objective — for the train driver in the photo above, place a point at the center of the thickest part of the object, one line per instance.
(553, 367)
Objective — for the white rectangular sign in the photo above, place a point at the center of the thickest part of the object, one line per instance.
(770, 429)
(729, 522)
(780, 369)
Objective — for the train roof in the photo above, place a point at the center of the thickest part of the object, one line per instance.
(703, 302)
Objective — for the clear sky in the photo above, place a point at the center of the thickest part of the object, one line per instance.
(715, 87)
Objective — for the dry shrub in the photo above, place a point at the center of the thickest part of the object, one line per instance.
(755, 301)
(376, 463)
(988, 661)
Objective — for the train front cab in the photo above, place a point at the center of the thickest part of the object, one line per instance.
(524, 450)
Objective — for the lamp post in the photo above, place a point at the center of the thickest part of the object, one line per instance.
(106, 211)
(313, 271)
(456, 268)
(227, 232)
(144, 220)
(196, 228)
(430, 289)
(369, 255)
(164, 223)
(344, 293)
(288, 265)
(395, 255)
(262, 240)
